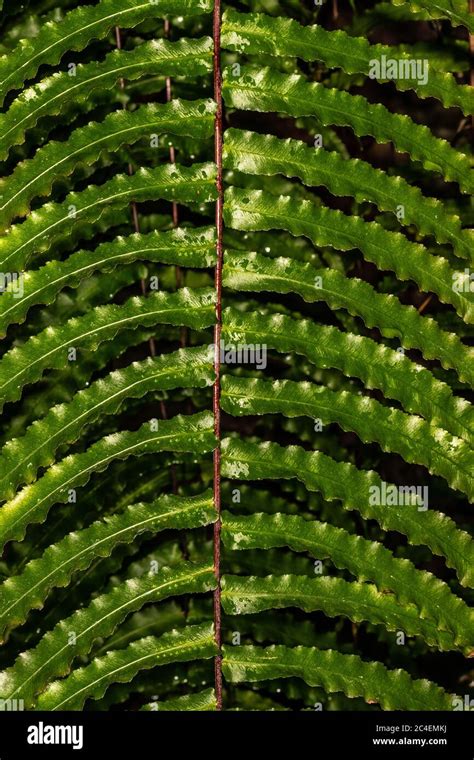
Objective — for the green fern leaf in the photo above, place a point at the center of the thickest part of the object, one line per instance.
(334, 596)
(21, 593)
(181, 246)
(256, 210)
(365, 560)
(356, 356)
(255, 273)
(411, 437)
(58, 220)
(199, 702)
(257, 33)
(21, 457)
(263, 89)
(455, 10)
(355, 489)
(26, 364)
(193, 643)
(330, 265)
(35, 177)
(77, 29)
(252, 153)
(61, 93)
(31, 505)
(392, 689)
(54, 653)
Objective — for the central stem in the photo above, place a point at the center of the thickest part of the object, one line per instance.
(217, 341)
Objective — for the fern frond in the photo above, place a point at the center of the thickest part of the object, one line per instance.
(257, 210)
(192, 433)
(333, 596)
(55, 220)
(195, 642)
(21, 457)
(392, 689)
(61, 93)
(354, 488)
(21, 593)
(265, 89)
(53, 655)
(77, 29)
(377, 366)
(181, 246)
(35, 177)
(365, 560)
(49, 349)
(111, 565)
(257, 33)
(410, 436)
(454, 10)
(254, 272)
(253, 153)
(39, 401)
(198, 702)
